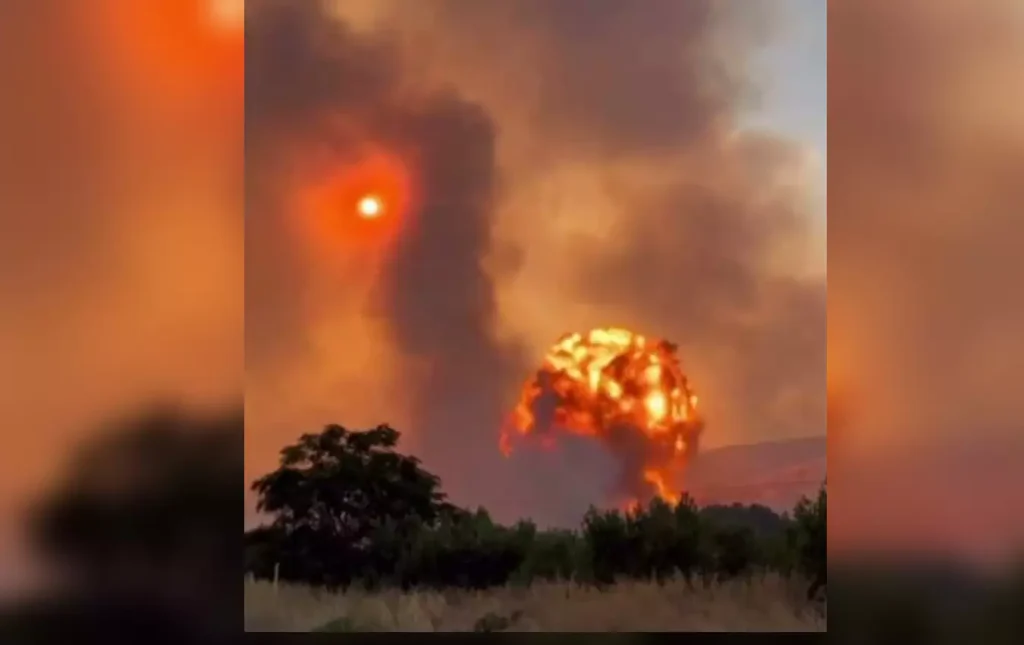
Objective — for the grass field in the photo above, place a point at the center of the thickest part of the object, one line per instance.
(764, 604)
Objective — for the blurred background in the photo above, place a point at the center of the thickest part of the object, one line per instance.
(121, 330)
(121, 325)
(924, 348)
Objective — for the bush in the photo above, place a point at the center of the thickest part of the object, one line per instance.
(809, 540)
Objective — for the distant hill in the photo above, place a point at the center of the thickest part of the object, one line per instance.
(776, 474)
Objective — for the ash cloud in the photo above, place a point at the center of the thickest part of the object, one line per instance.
(610, 77)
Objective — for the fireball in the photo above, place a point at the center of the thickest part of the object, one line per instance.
(621, 388)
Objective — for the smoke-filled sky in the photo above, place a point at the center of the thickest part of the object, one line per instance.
(565, 166)
(925, 310)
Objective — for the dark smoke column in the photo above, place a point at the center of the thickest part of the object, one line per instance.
(439, 300)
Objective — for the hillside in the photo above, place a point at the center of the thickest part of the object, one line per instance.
(776, 474)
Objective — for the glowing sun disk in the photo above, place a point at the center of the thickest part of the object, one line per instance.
(370, 207)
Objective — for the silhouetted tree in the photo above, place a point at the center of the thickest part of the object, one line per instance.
(656, 541)
(735, 551)
(762, 520)
(333, 492)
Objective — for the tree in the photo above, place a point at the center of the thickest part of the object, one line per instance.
(809, 539)
(762, 520)
(332, 492)
(656, 541)
(735, 551)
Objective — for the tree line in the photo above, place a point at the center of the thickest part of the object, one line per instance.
(349, 509)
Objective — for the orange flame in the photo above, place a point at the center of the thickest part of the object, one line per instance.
(614, 385)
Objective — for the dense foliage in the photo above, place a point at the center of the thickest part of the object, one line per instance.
(349, 509)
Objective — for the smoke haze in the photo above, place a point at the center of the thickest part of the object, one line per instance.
(925, 207)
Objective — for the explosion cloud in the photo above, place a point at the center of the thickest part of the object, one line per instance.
(623, 389)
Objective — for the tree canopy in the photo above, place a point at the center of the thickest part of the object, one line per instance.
(333, 491)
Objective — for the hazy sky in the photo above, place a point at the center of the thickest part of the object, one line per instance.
(794, 68)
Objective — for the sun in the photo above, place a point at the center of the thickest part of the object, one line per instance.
(359, 205)
(370, 207)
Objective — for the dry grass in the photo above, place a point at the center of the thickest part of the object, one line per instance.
(765, 604)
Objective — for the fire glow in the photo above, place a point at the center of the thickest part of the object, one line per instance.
(623, 389)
